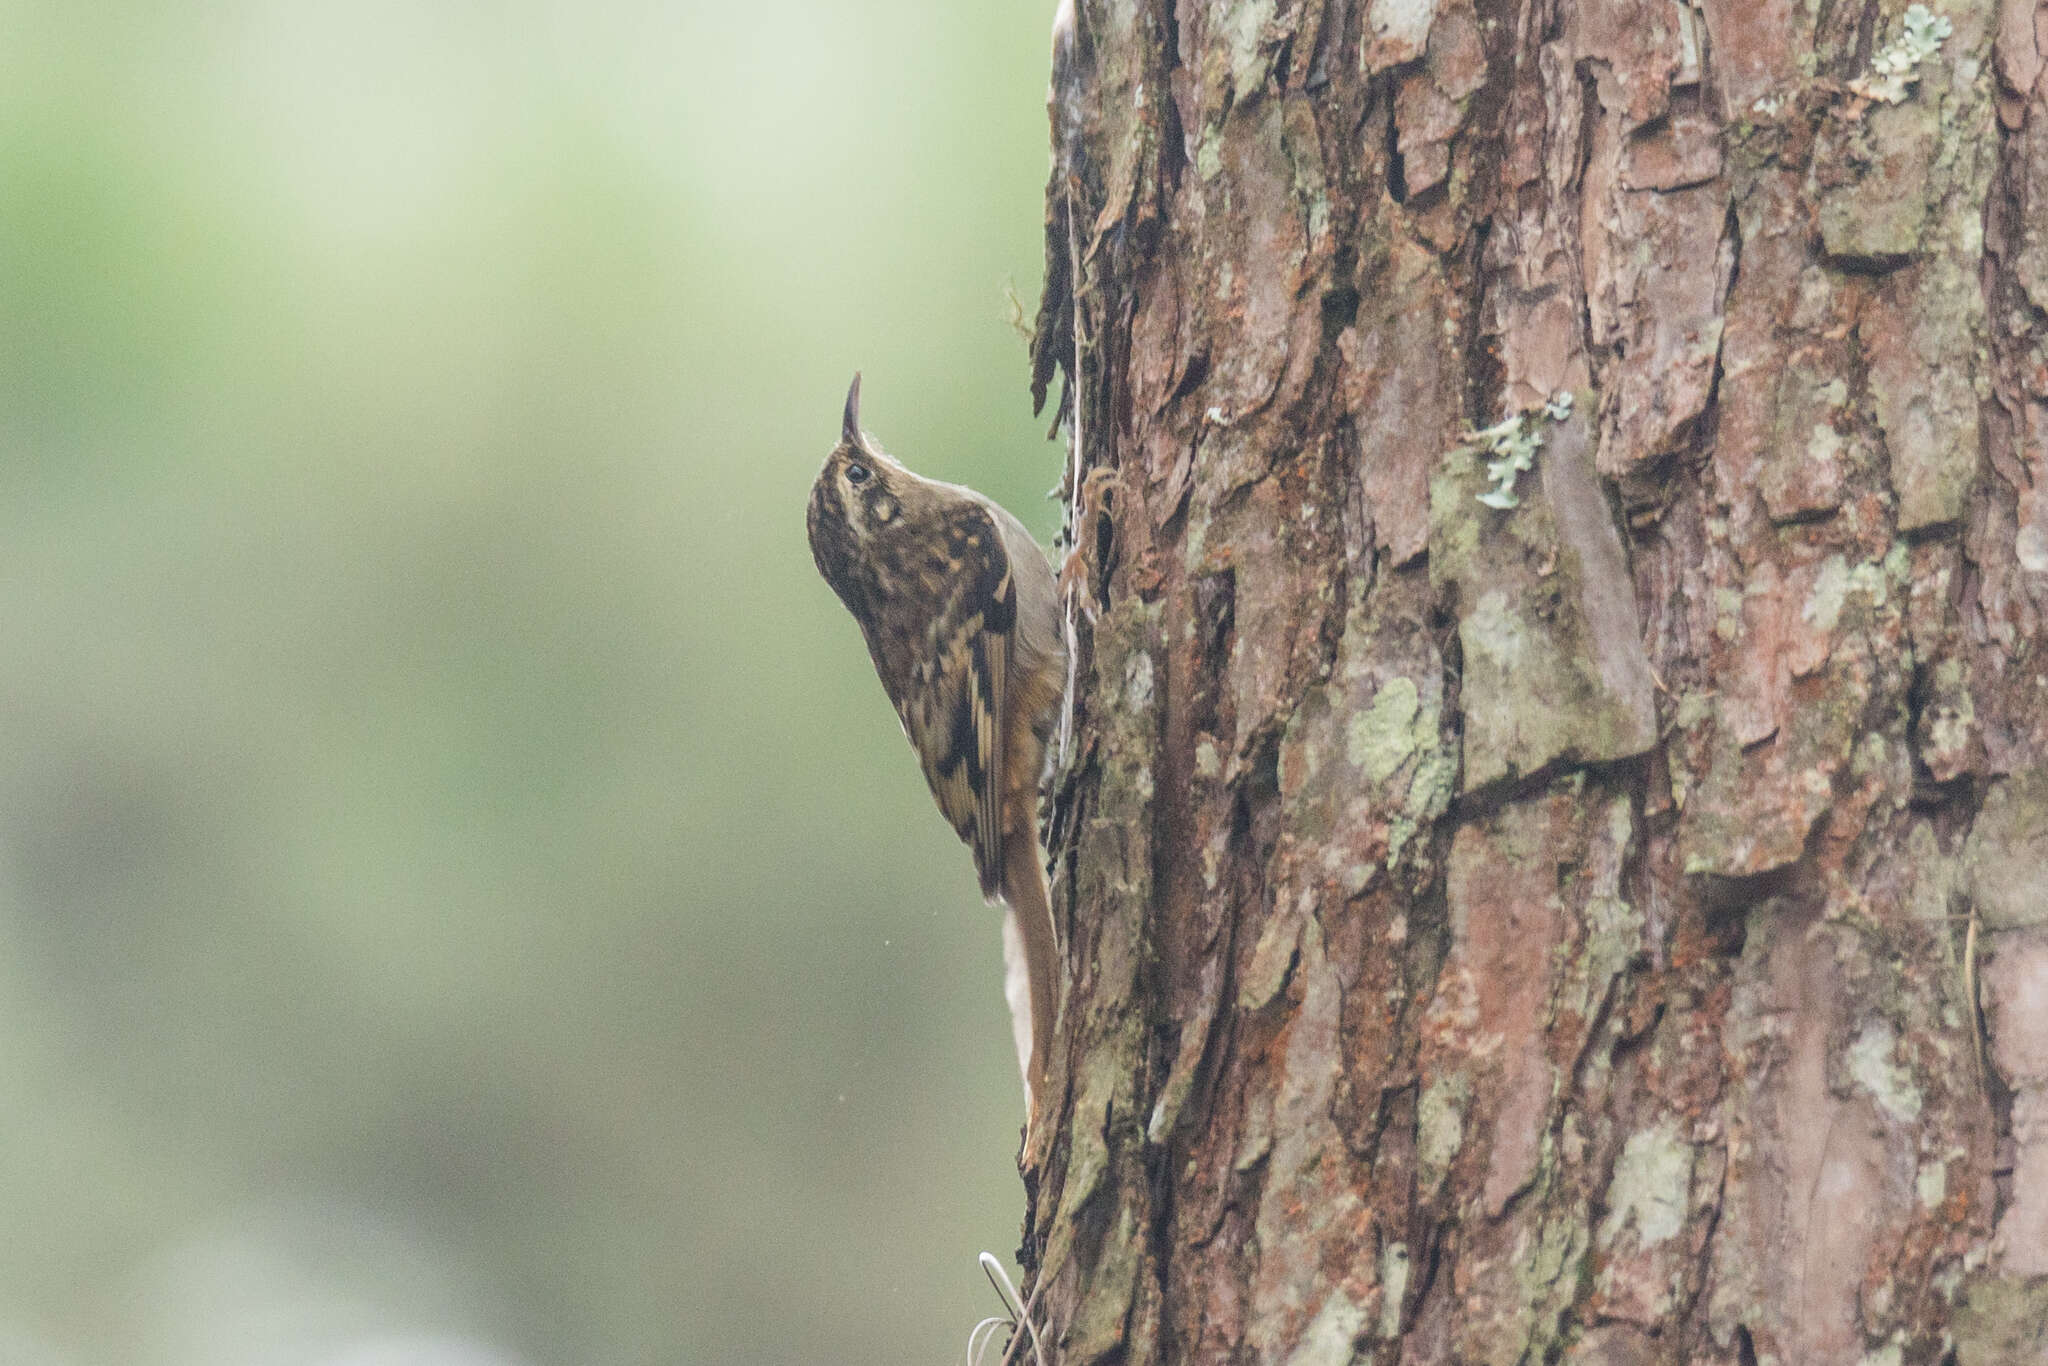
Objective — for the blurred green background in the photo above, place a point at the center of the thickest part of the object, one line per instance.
(464, 898)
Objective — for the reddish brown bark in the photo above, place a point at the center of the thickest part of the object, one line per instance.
(1551, 932)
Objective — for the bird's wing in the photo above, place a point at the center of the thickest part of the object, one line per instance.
(953, 706)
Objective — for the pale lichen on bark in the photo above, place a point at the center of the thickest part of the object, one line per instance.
(1553, 653)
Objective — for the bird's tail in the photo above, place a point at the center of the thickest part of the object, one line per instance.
(1031, 960)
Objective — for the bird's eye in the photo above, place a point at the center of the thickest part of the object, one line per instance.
(856, 473)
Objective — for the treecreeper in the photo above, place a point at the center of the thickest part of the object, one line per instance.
(961, 615)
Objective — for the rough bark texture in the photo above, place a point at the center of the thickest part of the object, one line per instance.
(1551, 933)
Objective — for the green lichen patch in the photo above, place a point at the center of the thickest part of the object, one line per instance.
(1614, 935)
(1088, 1160)
(2005, 860)
(1440, 1126)
(1394, 1271)
(2001, 1322)
(1330, 1335)
(1530, 697)
(1874, 1066)
(1806, 466)
(1509, 448)
(1516, 1319)
(1836, 585)
(1930, 1183)
(1875, 213)
(1248, 44)
(1651, 1187)
(1125, 643)
(1947, 735)
(1380, 738)
(1554, 661)
(1364, 767)
(1896, 66)
(1104, 1312)
(1936, 878)
(1931, 435)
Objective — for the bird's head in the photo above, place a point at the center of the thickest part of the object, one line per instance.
(858, 496)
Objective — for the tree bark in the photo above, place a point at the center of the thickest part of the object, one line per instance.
(1556, 931)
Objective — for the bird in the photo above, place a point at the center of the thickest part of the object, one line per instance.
(960, 611)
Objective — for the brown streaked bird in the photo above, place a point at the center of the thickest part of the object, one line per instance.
(961, 616)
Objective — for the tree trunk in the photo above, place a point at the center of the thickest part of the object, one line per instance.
(1541, 916)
